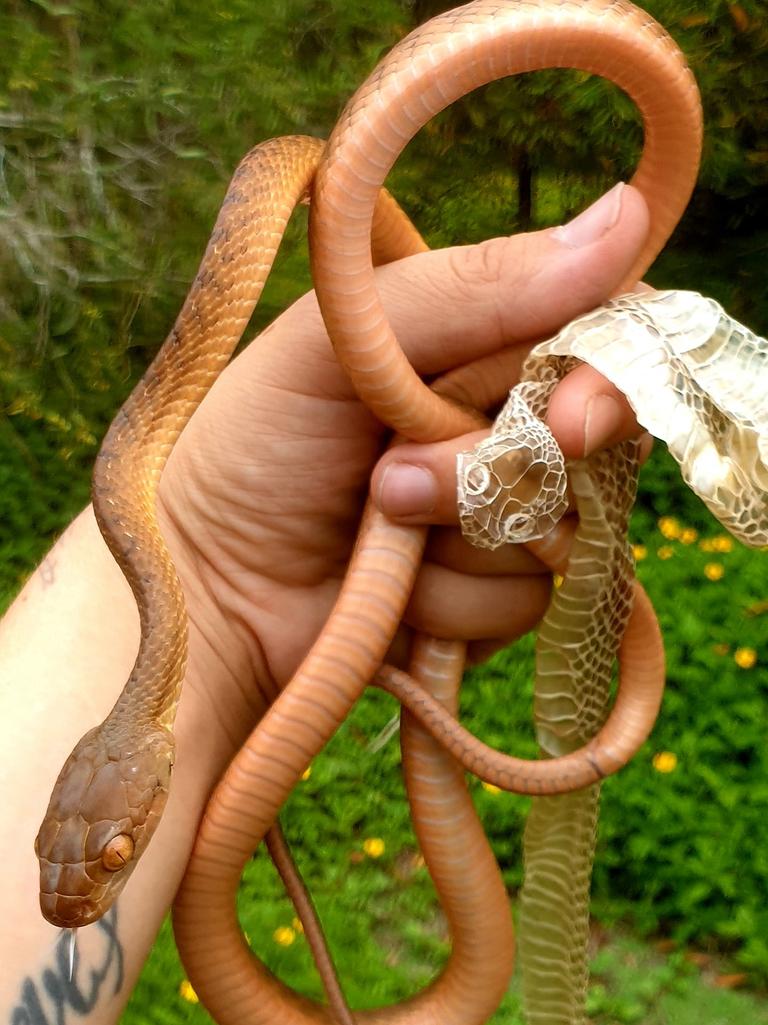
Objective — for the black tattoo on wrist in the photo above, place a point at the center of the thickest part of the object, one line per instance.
(55, 998)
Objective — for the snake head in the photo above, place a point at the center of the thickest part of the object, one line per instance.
(510, 490)
(104, 808)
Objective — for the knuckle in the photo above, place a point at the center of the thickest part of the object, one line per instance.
(490, 273)
(477, 266)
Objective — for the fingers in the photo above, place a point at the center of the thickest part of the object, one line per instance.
(587, 413)
(478, 298)
(446, 603)
(417, 483)
(449, 548)
(486, 598)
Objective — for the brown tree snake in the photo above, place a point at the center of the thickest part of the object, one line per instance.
(113, 788)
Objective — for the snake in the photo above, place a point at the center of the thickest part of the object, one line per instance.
(112, 790)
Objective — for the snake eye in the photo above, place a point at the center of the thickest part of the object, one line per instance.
(117, 853)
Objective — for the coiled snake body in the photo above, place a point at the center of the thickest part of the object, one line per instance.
(113, 787)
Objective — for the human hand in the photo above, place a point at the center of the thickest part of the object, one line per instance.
(264, 492)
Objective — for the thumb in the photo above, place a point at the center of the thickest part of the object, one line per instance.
(451, 306)
(537, 283)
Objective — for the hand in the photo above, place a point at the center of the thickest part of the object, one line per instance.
(265, 489)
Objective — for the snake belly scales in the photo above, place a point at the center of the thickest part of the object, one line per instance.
(86, 855)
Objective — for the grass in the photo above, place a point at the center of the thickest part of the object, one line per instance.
(634, 982)
(631, 982)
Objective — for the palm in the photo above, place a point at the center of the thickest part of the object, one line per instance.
(278, 458)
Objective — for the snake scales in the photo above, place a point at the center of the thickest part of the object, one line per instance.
(113, 788)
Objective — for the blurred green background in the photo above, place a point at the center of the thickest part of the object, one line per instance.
(121, 124)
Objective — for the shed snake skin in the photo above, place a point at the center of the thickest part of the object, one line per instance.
(112, 790)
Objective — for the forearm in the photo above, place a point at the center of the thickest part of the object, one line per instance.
(66, 647)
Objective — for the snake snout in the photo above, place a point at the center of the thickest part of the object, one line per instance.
(103, 811)
(67, 913)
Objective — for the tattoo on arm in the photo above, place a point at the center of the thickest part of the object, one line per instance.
(57, 999)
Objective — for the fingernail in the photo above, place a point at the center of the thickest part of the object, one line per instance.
(407, 490)
(592, 223)
(602, 418)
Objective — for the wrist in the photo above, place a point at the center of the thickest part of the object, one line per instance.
(227, 685)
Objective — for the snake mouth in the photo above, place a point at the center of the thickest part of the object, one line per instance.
(69, 912)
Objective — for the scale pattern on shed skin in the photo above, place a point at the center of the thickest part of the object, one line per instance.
(695, 377)
(678, 358)
(575, 653)
(571, 699)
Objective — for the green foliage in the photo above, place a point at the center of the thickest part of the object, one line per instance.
(124, 122)
(632, 984)
(687, 852)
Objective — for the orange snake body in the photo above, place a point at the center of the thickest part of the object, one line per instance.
(351, 219)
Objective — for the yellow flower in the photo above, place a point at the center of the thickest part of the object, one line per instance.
(307, 773)
(285, 935)
(688, 535)
(297, 926)
(665, 552)
(187, 993)
(670, 528)
(721, 543)
(714, 571)
(639, 552)
(745, 658)
(491, 788)
(665, 761)
(374, 847)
